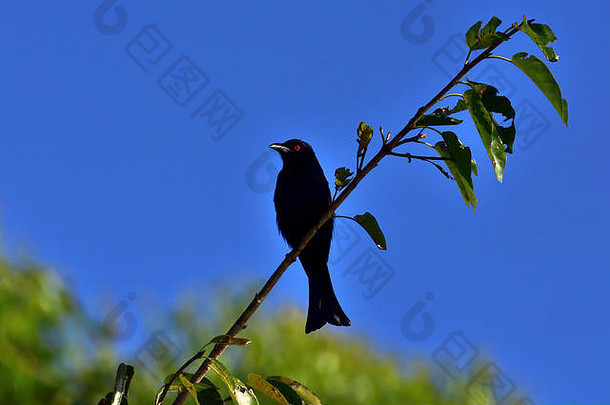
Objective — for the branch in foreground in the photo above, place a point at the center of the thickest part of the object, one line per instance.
(385, 150)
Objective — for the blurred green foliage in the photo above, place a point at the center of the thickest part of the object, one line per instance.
(48, 354)
(53, 353)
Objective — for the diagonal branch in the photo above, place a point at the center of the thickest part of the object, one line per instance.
(410, 156)
(385, 150)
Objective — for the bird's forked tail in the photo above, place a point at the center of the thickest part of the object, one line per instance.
(323, 305)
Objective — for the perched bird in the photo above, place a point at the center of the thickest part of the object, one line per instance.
(301, 198)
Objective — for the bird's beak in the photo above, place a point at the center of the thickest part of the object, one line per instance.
(279, 147)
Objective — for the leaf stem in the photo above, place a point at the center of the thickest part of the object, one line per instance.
(500, 57)
(441, 169)
(425, 143)
(345, 216)
(450, 95)
(335, 194)
(467, 57)
(435, 130)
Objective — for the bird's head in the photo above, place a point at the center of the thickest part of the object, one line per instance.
(294, 150)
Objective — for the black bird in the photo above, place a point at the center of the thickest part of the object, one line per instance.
(301, 198)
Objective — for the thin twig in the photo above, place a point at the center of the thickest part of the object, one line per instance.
(383, 138)
(166, 387)
(291, 257)
(415, 138)
(410, 156)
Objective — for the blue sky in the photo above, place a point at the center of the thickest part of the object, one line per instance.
(121, 185)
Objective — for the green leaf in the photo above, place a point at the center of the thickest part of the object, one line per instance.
(429, 120)
(228, 340)
(177, 384)
(461, 165)
(440, 116)
(342, 177)
(124, 374)
(540, 74)
(542, 35)
(189, 387)
(291, 396)
(507, 134)
(491, 100)
(370, 225)
(302, 391)
(460, 106)
(204, 383)
(497, 104)
(472, 34)
(260, 384)
(209, 396)
(487, 131)
(365, 133)
(490, 28)
(225, 375)
(477, 38)
(240, 394)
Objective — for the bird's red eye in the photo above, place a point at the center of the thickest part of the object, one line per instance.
(297, 148)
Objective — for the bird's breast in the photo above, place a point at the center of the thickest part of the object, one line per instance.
(300, 201)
